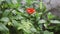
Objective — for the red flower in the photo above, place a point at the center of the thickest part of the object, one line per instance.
(30, 10)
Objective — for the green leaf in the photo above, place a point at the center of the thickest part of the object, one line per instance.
(5, 19)
(41, 5)
(37, 15)
(50, 16)
(14, 4)
(3, 28)
(27, 26)
(15, 23)
(47, 32)
(6, 13)
(29, 2)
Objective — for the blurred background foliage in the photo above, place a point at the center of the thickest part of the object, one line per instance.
(15, 20)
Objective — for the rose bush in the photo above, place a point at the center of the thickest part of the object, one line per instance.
(26, 17)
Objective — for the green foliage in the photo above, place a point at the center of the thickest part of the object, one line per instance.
(15, 20)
